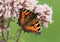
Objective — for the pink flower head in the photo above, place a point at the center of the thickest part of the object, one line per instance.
(45, 14)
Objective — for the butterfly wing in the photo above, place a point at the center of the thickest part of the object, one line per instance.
(29, 21)
(24, 16)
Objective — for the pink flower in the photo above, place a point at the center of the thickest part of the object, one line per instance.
(45, 14)
(1, 14)
(21, 1)
(30, 4)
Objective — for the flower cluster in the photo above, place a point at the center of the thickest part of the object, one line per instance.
(10, 8)
(45, 14)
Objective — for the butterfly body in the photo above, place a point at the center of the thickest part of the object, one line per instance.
(28, 21)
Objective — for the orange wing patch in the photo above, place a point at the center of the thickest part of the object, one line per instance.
(34, 28)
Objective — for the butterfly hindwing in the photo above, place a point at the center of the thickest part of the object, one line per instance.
(33, 26)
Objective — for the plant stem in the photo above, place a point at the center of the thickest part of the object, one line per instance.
(19, 34)
(7, 35)
(3, 35)
(8, 30)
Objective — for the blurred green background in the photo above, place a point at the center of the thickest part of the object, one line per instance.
(52, 34)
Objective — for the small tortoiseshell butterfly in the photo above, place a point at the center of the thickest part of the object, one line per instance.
(28, 21)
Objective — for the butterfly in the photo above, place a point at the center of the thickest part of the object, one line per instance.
(28, 21)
